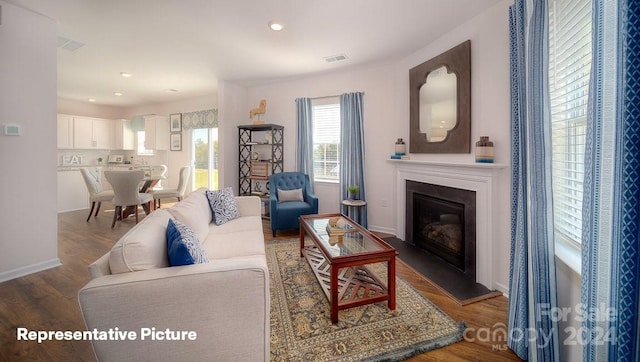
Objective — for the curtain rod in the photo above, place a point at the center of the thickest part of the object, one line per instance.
(324, 97)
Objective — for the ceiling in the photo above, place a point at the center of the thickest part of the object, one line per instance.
(189, 45)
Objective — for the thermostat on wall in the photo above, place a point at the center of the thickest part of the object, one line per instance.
(12, 130)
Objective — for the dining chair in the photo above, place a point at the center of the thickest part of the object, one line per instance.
(126, 192)
(158, 170)
(178, 192)
(96, 191)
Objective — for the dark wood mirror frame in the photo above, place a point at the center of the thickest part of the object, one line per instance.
(458, 140)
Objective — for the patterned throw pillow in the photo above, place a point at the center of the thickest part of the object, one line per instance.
(223, 205)
(183, 246)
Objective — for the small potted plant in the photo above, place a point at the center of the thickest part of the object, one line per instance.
(353, 191)
(99, 160)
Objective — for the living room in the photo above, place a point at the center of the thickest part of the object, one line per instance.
(31, 78)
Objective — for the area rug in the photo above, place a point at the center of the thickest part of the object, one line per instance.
(301, 328)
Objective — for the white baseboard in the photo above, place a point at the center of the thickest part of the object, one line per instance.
(502, 288)
(29, 269)
(381, 229)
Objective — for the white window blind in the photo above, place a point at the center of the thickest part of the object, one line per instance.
(569, 68)
(326, 140)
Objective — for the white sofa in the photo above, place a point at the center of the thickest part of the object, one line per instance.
(225, 302)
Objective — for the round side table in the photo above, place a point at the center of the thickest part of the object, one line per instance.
(356, 206)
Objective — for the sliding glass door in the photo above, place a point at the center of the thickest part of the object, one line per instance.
(204, 154)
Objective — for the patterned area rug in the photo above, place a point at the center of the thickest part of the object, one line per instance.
(301, 328)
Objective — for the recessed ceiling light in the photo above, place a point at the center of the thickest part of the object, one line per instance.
(275, 25)
(125, 74)
(117, 94)
(91, 99)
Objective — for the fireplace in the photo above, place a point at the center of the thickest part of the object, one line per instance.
(442, 221)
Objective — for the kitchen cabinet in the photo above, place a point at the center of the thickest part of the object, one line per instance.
(124, 137)
(93, 133)
(156, 132)
(65, 131)
(72, 191)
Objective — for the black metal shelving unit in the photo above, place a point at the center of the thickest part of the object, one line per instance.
(267, 141)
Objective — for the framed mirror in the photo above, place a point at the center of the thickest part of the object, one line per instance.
(440, 103)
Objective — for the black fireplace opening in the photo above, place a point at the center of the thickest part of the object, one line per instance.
(441, 221)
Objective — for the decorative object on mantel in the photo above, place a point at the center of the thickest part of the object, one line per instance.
(401, 147)
(262, 109)
(484, 150)
(441, 125)
(400, 150)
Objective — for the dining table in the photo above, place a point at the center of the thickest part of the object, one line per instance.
(148, 182)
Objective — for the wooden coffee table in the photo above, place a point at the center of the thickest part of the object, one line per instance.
(338, 261)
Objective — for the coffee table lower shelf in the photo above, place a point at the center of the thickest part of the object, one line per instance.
(357, 285)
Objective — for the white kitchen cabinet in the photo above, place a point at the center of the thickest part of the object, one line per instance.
(93, 133)
(72, 191)
(124, 137)
(156, 132)
(65, 131)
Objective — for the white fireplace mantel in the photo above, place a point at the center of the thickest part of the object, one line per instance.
(478, 177)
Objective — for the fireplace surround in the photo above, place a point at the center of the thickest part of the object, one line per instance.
(480, 178)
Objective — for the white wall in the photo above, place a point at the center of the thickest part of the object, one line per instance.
(87, 109)
(28, 162)
(233, 111)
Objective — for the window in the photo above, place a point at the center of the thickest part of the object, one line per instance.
(569, 68)
(326, 139)
(140, 145)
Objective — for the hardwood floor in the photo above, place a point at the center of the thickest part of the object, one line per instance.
(48, 300)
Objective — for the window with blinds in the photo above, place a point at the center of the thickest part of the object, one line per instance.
(569, 68)
(326, 139)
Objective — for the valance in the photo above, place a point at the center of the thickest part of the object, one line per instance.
(200, 119)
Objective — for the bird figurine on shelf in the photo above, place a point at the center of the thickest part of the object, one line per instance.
(262, 109)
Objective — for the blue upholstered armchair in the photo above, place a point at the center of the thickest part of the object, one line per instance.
(293, 200)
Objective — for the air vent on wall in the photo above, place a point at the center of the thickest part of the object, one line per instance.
(335, 58)
(68, 44)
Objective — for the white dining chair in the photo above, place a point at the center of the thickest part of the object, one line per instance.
(97, 194)
(126, 192)
(178, 192)
(158, 170)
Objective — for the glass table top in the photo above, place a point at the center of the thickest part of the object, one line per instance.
(344, 240)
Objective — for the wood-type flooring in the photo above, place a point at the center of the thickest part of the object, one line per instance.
(47, 300)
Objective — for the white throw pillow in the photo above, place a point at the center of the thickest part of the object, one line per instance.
(290, 195)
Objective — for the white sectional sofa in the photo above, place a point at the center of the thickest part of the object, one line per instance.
(225, 302)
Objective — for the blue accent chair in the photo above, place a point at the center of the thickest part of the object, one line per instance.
(284, 215)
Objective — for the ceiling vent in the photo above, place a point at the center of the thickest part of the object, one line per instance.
(335, 58)
(68, 44)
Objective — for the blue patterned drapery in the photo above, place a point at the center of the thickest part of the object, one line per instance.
(200, 119)
(304, 140)
(533, 335)
(352, 147)
(610, 255)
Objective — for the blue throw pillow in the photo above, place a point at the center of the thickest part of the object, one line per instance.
(183, 246)
(223, 205)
